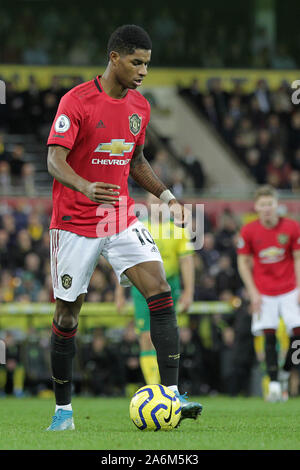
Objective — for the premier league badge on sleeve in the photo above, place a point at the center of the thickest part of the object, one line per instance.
(240, 242)
(62, 123)
(135, 122)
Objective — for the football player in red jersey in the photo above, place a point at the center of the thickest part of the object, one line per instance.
(95, 143)
(269, 265)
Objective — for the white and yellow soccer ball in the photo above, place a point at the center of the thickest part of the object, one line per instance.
(154, 408)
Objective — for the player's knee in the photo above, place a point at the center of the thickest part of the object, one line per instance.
(66, 314)
(66, 320)
(159, 286)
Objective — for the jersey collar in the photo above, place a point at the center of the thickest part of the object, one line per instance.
(97, 83)
(113, 100)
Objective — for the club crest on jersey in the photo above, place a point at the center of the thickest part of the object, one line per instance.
(282, 238)
(66, 281)
(62, 123)
(135, 122)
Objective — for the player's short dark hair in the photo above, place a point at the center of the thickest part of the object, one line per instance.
(127, 38)
(265, 190)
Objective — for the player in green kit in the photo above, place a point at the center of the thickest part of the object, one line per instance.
(177, 254)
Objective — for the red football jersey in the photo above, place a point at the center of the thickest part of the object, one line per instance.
(272, 250)
(101, 133)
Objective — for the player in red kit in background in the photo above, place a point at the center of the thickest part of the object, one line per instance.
(269, 265)
(95, 143)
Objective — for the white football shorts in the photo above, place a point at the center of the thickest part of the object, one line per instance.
(284, 305)
(75, 257)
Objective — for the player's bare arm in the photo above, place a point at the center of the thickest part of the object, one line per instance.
(245, 271)
(59, 168)
(143, 174)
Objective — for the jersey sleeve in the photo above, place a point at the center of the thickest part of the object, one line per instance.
(67, 121)
(244, 242)
(296, 237)
(142, 134)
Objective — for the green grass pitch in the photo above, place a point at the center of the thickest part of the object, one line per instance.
(104, 423)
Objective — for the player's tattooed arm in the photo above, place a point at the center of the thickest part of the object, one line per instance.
(143, 174)
(59, 168)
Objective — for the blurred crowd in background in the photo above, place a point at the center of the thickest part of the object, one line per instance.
(212, 345)
(217, 356)
(207, 34)
(262, 128)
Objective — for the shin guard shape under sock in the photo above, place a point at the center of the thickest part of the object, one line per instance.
(62, 353)
(165, 336)
(271, 354)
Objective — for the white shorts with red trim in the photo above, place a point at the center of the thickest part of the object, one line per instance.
(75, 257)
(272, 307)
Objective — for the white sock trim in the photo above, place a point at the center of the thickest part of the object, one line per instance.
(174, 388)
(63, 407)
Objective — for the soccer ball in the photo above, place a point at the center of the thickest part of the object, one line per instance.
(155, 407)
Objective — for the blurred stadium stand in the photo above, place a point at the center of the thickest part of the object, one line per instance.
(262, 128)
(208, 34)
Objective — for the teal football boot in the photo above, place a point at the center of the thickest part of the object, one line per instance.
(62, 421)
(189, 409)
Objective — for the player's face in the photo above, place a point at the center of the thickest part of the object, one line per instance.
(266, 208)
(131, 69)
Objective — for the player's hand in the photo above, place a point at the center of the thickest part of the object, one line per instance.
(185, 302)
(181, 215)
(298, 299)
(255, 302)
(103, 193)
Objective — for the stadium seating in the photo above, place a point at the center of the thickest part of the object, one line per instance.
(262, 128)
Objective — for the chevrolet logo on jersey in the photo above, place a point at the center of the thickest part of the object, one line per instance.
(272, 254)
(116, 147)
